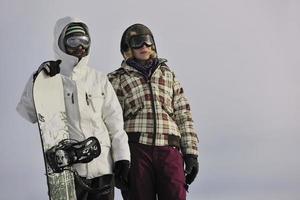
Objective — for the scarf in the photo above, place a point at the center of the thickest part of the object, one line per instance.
(146, 68)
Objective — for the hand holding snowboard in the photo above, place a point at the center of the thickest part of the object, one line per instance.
(51, 68)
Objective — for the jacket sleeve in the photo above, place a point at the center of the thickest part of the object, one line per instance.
(25, 107)
(184, 121)
(113, 119)
(115, 82)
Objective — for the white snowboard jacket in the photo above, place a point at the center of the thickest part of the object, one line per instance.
(92, 108)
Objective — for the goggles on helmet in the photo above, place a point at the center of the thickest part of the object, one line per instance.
(76, 41)
(138, 41)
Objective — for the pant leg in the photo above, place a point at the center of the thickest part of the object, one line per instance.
(169, 168)
(142, 175)
(83, 194)
(96, 196)
(125, 194)
(100, 182)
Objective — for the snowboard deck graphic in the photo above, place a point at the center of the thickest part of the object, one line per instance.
(48, 95)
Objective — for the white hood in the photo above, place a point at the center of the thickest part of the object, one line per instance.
(68, 61)
(93, 109)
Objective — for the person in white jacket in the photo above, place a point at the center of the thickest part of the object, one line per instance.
(92, 107)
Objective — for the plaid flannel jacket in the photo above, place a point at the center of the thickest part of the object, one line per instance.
(155, 108)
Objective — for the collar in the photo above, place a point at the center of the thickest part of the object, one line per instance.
(128, 68)
(71, 65)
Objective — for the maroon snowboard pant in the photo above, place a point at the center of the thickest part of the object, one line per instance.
(155, 171)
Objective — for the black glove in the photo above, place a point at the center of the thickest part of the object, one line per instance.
(191, 168)
(121, 171)
(51, 68)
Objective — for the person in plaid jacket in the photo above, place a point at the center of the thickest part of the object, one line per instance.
(157, 119)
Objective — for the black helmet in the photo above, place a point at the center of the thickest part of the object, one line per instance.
(134, 30)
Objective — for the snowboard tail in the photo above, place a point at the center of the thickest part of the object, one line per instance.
(61, 186)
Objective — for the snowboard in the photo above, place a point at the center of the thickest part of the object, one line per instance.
(48, 96)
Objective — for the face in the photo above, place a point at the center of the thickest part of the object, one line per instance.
(77, 45)
(141, 46)
(142, 53)
(78, 52)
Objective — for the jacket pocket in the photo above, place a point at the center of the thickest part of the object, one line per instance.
(169, 110)
(130, 113)
(133, 104)
(165, 99)
(95, 101)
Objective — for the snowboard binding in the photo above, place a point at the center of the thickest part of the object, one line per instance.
(68, 152)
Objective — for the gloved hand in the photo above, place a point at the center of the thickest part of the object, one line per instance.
(121, 171)
(191, 168)
(51, 68)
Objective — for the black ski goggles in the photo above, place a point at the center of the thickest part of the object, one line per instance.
(76, 41)
(138, 41)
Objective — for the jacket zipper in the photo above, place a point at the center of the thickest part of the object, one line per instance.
(148, 80)
(87, 99)
(153, 112)
(72, 98)
(89, 102)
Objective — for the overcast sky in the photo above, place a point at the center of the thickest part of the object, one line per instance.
(238, 61)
